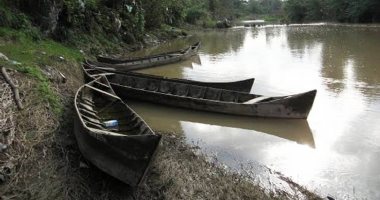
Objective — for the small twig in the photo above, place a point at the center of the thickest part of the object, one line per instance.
(14, 88)
(63, 77)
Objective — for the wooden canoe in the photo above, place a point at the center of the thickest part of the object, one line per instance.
(91, 71)
(150, 61)
(213, 99)
(114, 60)
(124, 151)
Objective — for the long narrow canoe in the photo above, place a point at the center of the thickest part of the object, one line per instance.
(213, 99)
(149, 61)
(114, 60)
(124, 149)
(91, 71)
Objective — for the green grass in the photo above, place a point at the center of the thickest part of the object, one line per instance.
(23, 47)
(33, 53)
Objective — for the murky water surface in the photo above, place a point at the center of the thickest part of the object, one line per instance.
(336, 151)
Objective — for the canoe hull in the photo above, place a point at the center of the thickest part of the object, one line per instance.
(125, 157)
(120, 78)
(193, 50)
(124, 166)
(294, 107)
(241, 86)
(147, 62)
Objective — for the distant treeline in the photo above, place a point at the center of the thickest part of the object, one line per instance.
(128, 20)
(363, 11)
(356, 11)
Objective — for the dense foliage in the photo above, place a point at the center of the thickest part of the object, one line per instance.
(127, 20)
(120, 16)
(265, 6)
(333, 10)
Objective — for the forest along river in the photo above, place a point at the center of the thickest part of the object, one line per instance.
(335, 152)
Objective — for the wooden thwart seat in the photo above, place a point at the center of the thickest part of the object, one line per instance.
(94, 125)
(256, 100)
(93, 120)
(102, 84)
(88, 101)
(103, 92)
(87, 107)
(88, 112)
(88, 70)
(103, 74)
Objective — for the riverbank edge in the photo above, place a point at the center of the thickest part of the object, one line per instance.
(44, 154)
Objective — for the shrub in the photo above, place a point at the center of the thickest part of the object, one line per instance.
(194, 14)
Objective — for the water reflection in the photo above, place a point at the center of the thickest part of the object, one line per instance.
(294, 130)
(172, 70)
(216, 44)
(342, 62)
(341, 47)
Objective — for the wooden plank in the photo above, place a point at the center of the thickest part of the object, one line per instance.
(103, 74)
(256, 100)
(103, 92)
(86, 106)
(94, 125)
(90, 113)
(102, 84)
(96, 121)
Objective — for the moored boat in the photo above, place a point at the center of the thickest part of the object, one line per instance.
(114, 60)
(91, 71)
(111, 135)
(213, 99)
(148, 61)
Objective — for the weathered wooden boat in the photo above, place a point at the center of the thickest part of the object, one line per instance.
(91, 71)
(112, 60)
(111, 135)
(152, 61)
(214, 99)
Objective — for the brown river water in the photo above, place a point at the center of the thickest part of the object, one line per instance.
(335, 152)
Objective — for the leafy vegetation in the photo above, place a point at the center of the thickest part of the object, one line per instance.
(127, 21)
(333, 10)
(269, 10)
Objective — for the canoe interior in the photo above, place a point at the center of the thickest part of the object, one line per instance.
(124, 151)
(96, 111)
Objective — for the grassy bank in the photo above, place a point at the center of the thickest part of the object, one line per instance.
(31, 161)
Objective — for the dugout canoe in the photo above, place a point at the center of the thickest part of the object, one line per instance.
(114, 60)
(184, 95)
(91, 71)
(148, 61)
(125, 150)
